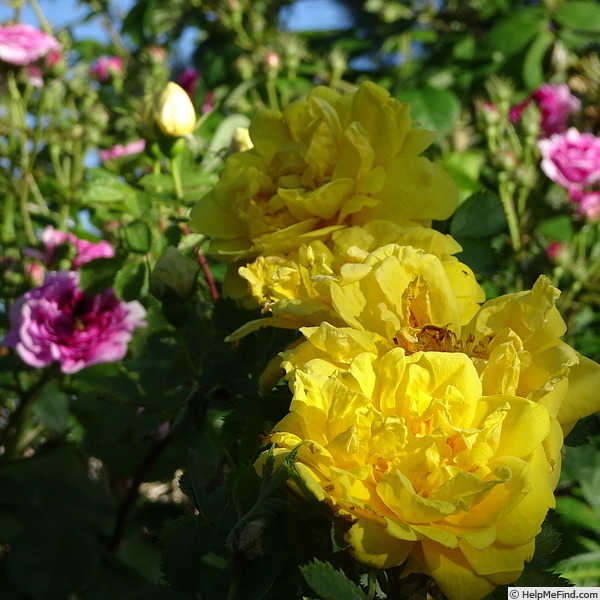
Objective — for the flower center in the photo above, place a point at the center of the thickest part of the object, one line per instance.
(432, 338)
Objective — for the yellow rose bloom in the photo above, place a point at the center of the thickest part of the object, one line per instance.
(341, 285)
(430, 473)
(438, 441)
(513, 341)
(326, 162)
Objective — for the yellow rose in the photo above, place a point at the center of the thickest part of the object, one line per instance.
(173, 111)
(428, 471)
(345, 283)
(513, 341)
(439, 442)
(324, 163)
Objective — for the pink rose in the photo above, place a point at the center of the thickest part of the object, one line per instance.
(571, 159)
(85, 250)
(119, 150)
(58, 322)
(107, 67)
(88, 251)
(556, 104)
(588, 203)
(23, 44)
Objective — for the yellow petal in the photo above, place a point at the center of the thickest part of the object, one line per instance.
(584, 396)
(399, 495)
(373, 546)
(453, 573)
(501, 564)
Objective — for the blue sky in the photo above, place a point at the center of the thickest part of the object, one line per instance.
(309, 14)
(63, 13)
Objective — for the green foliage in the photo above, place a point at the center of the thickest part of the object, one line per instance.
(138, 479)
(478, 219)
(433, 108)
(329, 583)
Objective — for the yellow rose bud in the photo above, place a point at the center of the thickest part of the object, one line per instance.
(241, 140)
(174, 111)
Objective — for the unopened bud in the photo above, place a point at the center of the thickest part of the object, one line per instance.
(157, 54)
(273, 61)
(174, 111)
(174, 276)
(241, 141)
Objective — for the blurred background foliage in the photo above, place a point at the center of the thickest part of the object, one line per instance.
(134, 480)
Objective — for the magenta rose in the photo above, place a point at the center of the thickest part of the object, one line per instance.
(188, 81)
(556, 104)
(57, 322)
(107, 67)
(571, 159)
(85, 250)
(88, 251)
(22, 44)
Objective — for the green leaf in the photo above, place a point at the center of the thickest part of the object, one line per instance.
(582, 463)
(103, 187)
(141, 556)
(465, 169)
(52, 408)
(157, 183)
(533, 65)
(513, 34)
(133, 23)
(53, 558)
(577, 40)
(479, 255)
(578, 514)
(214, 58)
(181, 556)
(104, 194)
(433, 108)
(533, 578)
(582, 569)
(138, 236)
(329, 583)
(579, 14)
(99, 274)
(479, 216)
(547, 541)
(557, 229)
(155, 594)
(131, 282)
